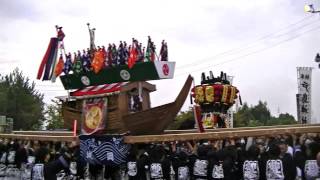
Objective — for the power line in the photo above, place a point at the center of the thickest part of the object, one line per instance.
(254, 52)
(249, 45)
(48, 90)
(48, 85)
(7, 62)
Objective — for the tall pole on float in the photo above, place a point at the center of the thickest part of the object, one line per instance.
(231, 109)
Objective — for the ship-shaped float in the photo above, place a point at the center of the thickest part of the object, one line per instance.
(107, 88)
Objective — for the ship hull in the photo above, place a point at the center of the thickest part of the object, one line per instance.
(151, 121)
(157, 119)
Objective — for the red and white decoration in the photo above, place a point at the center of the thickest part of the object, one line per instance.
(165, 69)
(100, 89)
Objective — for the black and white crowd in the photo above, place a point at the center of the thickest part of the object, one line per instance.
(278, 157)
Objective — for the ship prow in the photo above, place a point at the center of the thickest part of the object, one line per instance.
(156, 120)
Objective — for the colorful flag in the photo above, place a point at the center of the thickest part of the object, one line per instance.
(148, 51)
(54, 62)
(153, 52)
(109, 59)
(59, 66)
(105, 56)
(68, 65)
(77, 64)
(114, 54)
(133, 55)
(121, 54)
(45, 58)
(164, 51)
(86, 62)
(50, 61)
(98, 61)
(94, 113)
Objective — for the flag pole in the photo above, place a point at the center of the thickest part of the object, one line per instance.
(74, 128)
(196, 112)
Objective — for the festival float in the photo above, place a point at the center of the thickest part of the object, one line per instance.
(213, 98)
(108, 92)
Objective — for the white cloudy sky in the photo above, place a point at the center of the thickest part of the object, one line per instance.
(264, 41)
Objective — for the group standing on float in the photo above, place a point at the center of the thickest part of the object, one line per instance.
(95, 58)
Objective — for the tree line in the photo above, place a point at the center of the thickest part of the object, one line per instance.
(245, 116)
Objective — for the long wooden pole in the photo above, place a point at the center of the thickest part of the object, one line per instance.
(219, 134)
(234, 129)
(44, 133)
(39, 137)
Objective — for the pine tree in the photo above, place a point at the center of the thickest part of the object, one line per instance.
(20, 101)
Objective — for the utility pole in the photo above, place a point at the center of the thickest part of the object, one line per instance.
(231, 110)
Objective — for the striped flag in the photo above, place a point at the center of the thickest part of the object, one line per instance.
(51, 60)
(45, 58)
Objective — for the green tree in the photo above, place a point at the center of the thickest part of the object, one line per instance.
(246, 116)
(20, 100)
(54, 119)
(282, 120)
(243, 117)
(184, 120)
(260, 115)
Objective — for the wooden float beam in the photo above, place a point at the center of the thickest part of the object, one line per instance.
(44, 133)
(39, 137)
(235, 129)
(222, 134)
(70, 133)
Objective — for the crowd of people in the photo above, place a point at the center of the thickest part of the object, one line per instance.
(287, 157)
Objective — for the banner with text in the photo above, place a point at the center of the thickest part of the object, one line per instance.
(304, 95)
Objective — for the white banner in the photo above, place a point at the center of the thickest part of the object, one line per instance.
(304, 95)
(165, 69)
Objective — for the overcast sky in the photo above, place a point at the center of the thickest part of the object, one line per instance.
(260, 42)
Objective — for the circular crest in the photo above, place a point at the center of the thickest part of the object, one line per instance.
(93, 117)
(85, 80)
(165, 69)
(124, 74)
